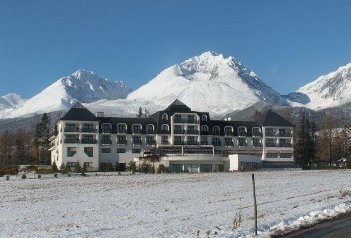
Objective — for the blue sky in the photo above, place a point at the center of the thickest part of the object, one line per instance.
(287, 43)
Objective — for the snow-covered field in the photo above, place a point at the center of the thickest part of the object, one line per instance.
(170, 205)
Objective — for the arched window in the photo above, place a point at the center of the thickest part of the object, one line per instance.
(164, 127)
(149, 129)
(122, 128)
(228, 131)
(164, 116)
(216, 130)
(136, 128)
(204, 128)
(242, 131)
(256, 131)
(204, 118)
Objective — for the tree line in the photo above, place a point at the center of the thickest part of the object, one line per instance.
(26, 146)
(324, 146)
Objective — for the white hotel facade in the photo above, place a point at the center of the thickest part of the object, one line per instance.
(185, 140)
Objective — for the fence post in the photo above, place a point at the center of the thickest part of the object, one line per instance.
(255, 204)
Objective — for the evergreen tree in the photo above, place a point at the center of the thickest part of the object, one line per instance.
(41, 138)
(132, 167)
(140, 113)
(77, 168)
(54, 167)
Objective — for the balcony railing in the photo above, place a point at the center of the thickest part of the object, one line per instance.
(216, 143)
(285, 134)
(271, 145)
(270, 134)
(204, 142)
(192, 132)
(151, 143)
(257, 145)
(229, 143)
(71, 141)
(88, 141)
(179, 143)
(285, 145)
(164, 143)
(70, 129)
(89, 130)
(122, 142)
(192, 142)
(179, 132)
(186, 121)
(242, 144)
(137, 142)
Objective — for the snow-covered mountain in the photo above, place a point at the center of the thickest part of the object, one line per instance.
(208, 82)
(331, 90)
(11, 100)
(82, 85)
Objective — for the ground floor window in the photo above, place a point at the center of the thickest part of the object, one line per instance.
(121, 150)
(271, 155)
(205, 167)
(88, 164)
(71, 164)
(136, 151)
(286, 155)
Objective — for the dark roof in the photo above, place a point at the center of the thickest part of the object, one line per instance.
(271, 118)
(178, 106)
(128, 121)
(235, 124)
(79, 113)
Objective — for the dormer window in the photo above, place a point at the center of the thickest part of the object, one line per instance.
(106, 128)
(122, 128)
(164, 116)
(204, 118)
(136, 128)
(216, 130)
(149, 129)
(228, 131)
(164, 127)
(242, 131)
(204, 128)
(256, 131)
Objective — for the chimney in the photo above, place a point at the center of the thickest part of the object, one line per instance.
(100, 114)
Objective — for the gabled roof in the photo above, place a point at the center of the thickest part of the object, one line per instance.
(178, 106)
(271, 118)
(79, 113)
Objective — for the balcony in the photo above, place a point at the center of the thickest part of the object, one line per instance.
(271, 145)
(285, 145)
(204, 143)
(270, 134)
(242, 144)
(137, 142)
(70, 129)
(284, 134)
(257, 145)
(229, 143)
(71, 141)
(216, 143)
(192, 132)
(192, 142)
(151, 143)
(179, 143)
(106, 142)
(187, 121)
(164, 143)
(89, 130)
(89, 141)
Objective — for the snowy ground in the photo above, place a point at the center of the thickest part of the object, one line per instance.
(170, 205)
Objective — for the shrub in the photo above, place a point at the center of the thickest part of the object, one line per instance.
(152, 169)
(24, 176)
(161, 168)
(7, 177)
(77, 168)
(39, 176)
(84, 170)
(144, 167)
(54, 167)
(55, 175)
(2, 174)
(132, 167)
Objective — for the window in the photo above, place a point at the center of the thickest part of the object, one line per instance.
(256, 131)
(270, 142)
(164, 127)
(228, 131)
(191, 129)
(164, 116)
(88, 164)
(71, 139)
(88, 128)
(71, 164)
(106, 140)
(88, 139)
(204, 118)
(191, 118)
(204, 140)
(178, 129)
(228, 141)
(271, 155)
(256, 142)
(242, 141)
(137, 140)
(136, 151)
(269, 132)
(286, 155)
(106, 128)
(191, 140)
(216, 141)
(71, 128)
(71, 151)
(89, 151)
(121, 150)
(122, 140)
(122, 128)
(216, 130)
(177, 118)
(137, 128)
(204, 128)
(282, 132)
(242, 131)
(149, 129)
(105, 150)
(164, 139)
(150, 140)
